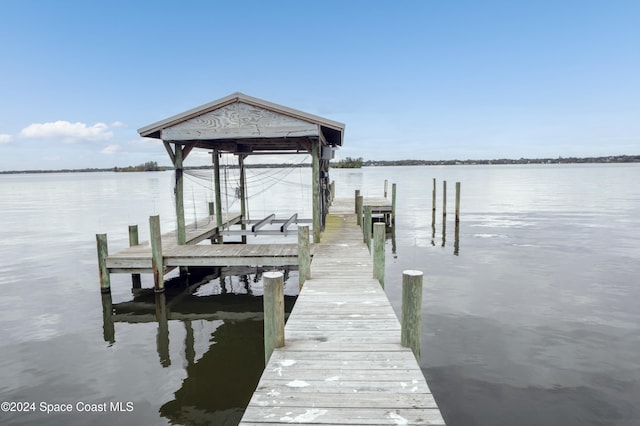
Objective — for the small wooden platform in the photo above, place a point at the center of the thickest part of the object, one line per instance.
(342, 362)
(137, 259)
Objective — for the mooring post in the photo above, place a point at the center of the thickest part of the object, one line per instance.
(103, 252)
(386, 184)
(378, 252)
(304, 255)
(357, 193)
(444, 199)
(411, 310)
(156, 254)
(273, 301)
(211, 208)
(367, 226)
(433, 197)
(393, 203)
(457, 202)
(333, 191)
(133, 241)
(359, 201)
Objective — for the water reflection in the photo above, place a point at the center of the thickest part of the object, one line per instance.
(225, 305)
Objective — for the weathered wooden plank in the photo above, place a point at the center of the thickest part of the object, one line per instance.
(343, 415)
(291, 398)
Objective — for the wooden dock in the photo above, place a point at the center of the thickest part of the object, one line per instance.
(342, 362)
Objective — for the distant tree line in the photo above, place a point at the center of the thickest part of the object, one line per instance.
(149, 166)
(348, 163)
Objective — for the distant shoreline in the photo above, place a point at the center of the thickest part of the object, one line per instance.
(374, 163)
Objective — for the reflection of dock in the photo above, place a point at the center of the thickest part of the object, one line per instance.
(342, 361)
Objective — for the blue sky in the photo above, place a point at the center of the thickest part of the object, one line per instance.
(411, 79)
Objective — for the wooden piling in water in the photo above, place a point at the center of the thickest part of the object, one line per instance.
(411, 310)
(134, 241)
(304, 255)
(359, 202)
(444, 199)
(162, 338)
(273, 301)
(379, 230)
(366, 226)
(457, 202)
(393, 203)
(156, 253)
(211, 208)
(108, 325)
(357, 193)
(103, 252)
(386, 184)
(433, 199)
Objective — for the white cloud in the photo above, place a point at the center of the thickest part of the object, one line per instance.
(117, 124)
(4, 138)
(67, 132)
(110, 149)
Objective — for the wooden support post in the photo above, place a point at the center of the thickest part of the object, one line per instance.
(216, 179)
(304, 255)
(444, 199)
(359, 201)
(393, 203)
(211, 208)
(315, 185)
(333, 191)
(134, 241)
(180, 232)
(367, 226)
(386, 184)
(273, 301)
(457, 202)
(433, 200)
(157, 263)
(103, 252)
(411, 310)
(243, 196)
(357, 193)
(379, 230)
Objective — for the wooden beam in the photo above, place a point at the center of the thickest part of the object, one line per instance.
(180, 232)
(187, 149)
(289, 221)
(243, 193)
(216, 181)
(167, 146)
(315, 185)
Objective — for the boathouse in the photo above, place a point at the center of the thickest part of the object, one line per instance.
(243, 125)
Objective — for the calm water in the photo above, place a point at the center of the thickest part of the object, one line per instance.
(533, 321)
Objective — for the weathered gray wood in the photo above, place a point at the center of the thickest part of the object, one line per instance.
(243, 194)
(355, 199)
(103, 253)
(359, 201)
(212, 211)
(433, 196)
(367, 226)
(108, 323)
(457, 202)
(444, 198)
(179, 189)
(411, 310)
(304, 255)
(134, 241)
(379, 230)
(343, 362)
(386, 183)
(315, 188)
(218, 194)
(273, 301)
(393, 203)
(156, 253)
(239, 120)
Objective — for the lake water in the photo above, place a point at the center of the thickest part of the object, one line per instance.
(532, 318)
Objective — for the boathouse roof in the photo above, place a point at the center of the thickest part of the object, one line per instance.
(242, 124)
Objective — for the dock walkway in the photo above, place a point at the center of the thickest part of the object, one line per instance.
(342, 362)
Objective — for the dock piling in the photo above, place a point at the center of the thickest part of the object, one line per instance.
(367, 226)
(379, 230)
(411, 310)
(156, 253)
(386, 185)
(444, 199)
(457, 202)
(393, 203)
(359, 202)
(273, 301)
(103, 252)
(304, 255)
(134, 241)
